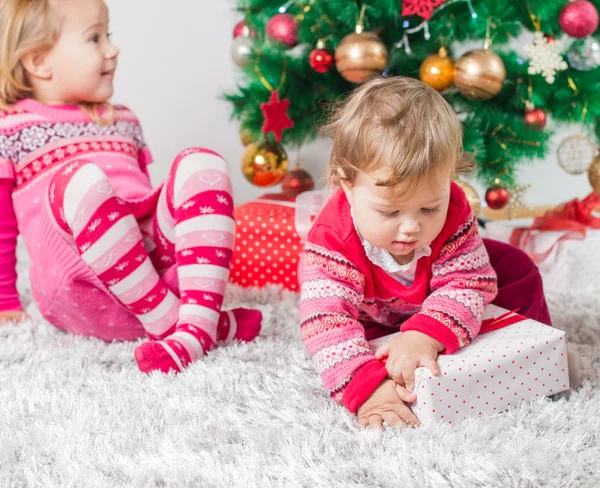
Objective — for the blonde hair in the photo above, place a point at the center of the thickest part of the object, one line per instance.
(27, 25)
(396, 123)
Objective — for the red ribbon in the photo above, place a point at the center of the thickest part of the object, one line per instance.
(503, 320)
(571, 218)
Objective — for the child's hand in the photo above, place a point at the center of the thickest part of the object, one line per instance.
(406, 353)
(386, 403)
(12, 316)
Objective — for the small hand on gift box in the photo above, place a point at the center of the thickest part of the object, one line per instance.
(407, 352)
(401, 355)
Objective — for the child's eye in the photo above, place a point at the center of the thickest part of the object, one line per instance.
(430, 211)
(95, 38)
(109, 36)
(389, 215)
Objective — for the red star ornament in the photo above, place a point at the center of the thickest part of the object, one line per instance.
(276, 117)
(422, 8)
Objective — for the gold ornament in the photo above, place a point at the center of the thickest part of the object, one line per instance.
(264, 163)
(479, 74)
(576, 153)
(472, 196)
(246, 138)
(438, 71)
(594, 175)
(360, 56)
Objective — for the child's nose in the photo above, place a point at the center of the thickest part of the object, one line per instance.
(112, 51)
(409, 226)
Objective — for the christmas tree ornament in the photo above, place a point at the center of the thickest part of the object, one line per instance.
(320, 59)
(297, 181)
(471, 194)
(578, 18)
(576, 153)
(276, 117)
(479, 74)
(517, 201)
(283, 28)
(546, 58)
(535, 118)
(422, 8)
(437, 71)
(497, 197)
(265, 163)
(241, 28)
(242, 49)
(584, 54)
(245, 138)
(594, 174)
(360, 56)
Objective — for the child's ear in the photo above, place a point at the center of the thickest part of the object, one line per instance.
(36, 64)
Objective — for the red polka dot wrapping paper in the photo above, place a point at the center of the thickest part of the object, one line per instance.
(573, 265)
(267, 246)
(498, 370)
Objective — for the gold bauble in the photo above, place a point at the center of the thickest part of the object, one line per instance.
(594, 174)
(479, 74)
(437, 71)
(264, 163)
(360, 56)
(472, 196)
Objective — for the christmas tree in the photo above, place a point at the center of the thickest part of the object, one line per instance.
(312, 52)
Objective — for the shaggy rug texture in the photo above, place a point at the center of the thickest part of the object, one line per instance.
(77, 412)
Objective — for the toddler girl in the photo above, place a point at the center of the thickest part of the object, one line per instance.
(397, 247)
(110, 256)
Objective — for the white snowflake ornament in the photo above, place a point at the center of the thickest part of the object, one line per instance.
(546, 58)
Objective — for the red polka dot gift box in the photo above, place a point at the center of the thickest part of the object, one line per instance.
(267, 243)
(515, 360)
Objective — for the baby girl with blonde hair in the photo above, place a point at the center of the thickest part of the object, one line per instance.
(111, 257)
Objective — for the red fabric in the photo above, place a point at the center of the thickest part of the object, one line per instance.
(519, 282)
(432, 328)
(267, 246)
(363, 384)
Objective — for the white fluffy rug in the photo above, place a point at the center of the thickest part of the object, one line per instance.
(77, 412)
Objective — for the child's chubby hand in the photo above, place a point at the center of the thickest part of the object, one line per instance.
(407, 352)
(12, 316)
(386, 404)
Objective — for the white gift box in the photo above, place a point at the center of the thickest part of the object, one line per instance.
(499, 369)
(573, 265)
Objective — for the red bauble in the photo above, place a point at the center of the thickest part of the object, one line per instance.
(535, 118)
(238, 30)
(283, 28)
(297, 181)
(497, 197)
(578, 19)
(320, 60)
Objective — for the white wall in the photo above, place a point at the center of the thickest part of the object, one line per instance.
(175, 64)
